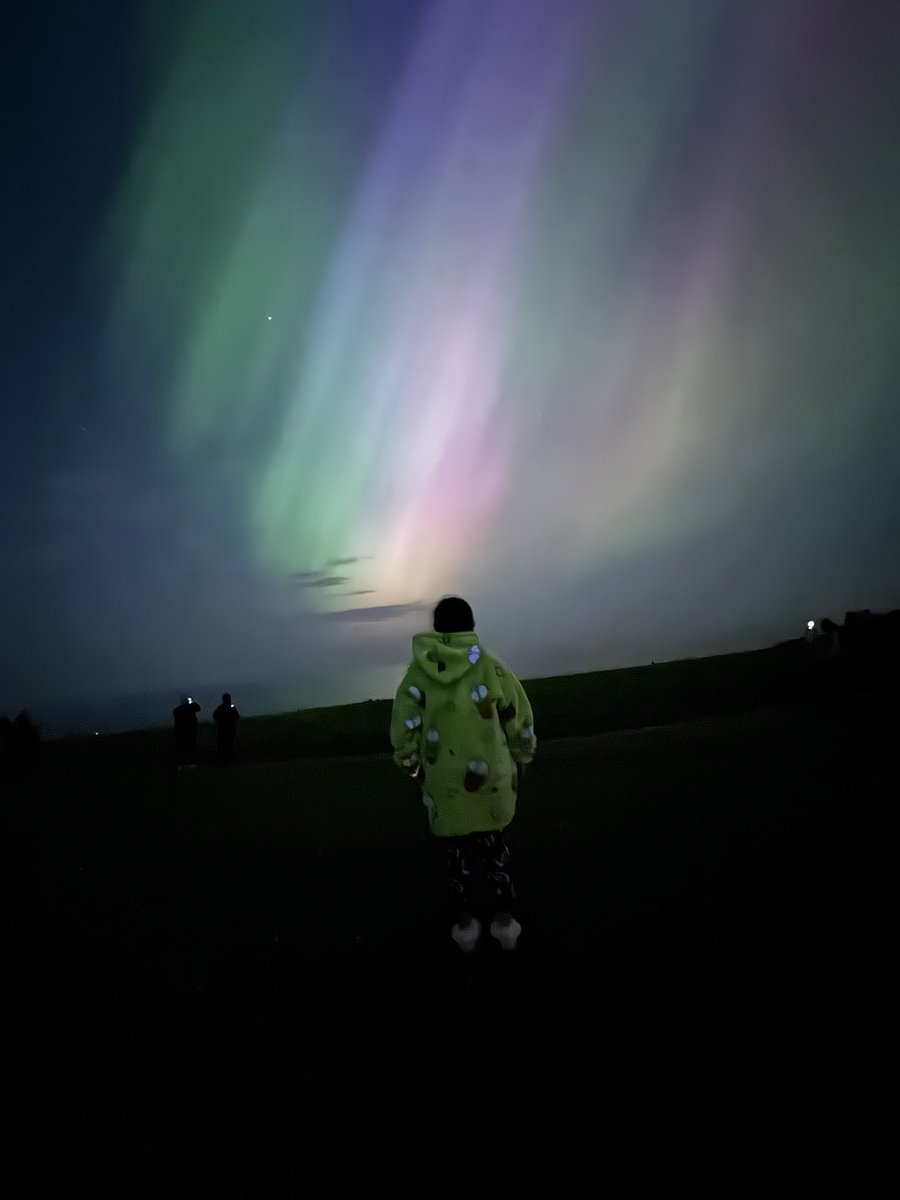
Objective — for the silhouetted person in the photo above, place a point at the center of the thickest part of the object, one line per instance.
(828, 668)
(27, 744)
(185, 716)
(462, 723)
(858, 647)
(7, 748)
(829, 642)
(226, 718)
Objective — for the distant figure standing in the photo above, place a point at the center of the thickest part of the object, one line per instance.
(827, 666)
(226, 718)
(7, 748)
(185, 716)
(859, 649)
(829, 642)
(27, 740)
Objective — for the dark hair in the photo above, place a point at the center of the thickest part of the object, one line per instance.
(453, 615)
(226, 696)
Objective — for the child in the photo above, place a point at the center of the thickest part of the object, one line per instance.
(462, 723)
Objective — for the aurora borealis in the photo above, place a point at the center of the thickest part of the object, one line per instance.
(582, 309)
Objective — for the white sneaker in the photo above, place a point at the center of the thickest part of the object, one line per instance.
(467, 938)
(506, 935)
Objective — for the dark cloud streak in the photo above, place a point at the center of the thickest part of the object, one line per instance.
(318, 579)
(384, 612)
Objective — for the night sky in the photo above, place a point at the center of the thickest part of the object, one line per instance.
(586, 310)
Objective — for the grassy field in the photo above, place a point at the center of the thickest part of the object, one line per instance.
(565, 706)
(237, 982)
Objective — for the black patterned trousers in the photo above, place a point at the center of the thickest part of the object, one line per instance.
(478, 877)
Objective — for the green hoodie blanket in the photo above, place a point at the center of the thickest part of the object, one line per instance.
(461, 721)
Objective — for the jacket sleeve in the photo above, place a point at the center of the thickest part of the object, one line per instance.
(516, 717)
(406, 725)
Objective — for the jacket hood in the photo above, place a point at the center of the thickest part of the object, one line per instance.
(445, 657)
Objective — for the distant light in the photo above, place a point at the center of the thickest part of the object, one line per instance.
(269, 318)
(810, 624)
(96, 733)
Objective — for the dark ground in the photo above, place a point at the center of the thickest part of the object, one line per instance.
(237, 983)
